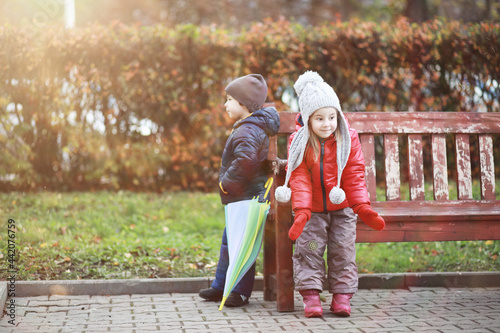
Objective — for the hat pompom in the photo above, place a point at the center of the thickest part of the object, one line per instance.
(304, 79)
(283, 194)
(337, 195)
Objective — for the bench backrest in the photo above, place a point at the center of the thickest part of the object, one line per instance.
(413, 126)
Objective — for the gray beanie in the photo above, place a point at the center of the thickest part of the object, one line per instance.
(314, 93)
(249, 90)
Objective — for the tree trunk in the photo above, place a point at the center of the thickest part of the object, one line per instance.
(417, 10)
(487, 10)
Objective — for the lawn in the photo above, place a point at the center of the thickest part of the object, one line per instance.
(108, 235)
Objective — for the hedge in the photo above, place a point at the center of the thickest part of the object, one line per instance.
(141, 108)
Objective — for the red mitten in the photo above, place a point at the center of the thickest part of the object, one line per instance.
(369, 216)
(301, 217)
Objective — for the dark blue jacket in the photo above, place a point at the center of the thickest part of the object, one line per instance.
(244, 169)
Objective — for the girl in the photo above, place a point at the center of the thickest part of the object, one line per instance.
(324, 160)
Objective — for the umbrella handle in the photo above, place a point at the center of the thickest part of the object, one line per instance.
(268, 185)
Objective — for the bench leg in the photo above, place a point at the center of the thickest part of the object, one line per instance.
(269, 260)
(284, 270)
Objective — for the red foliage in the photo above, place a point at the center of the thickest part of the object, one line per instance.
(127, 107)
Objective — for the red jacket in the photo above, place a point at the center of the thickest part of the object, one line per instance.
(312, 181)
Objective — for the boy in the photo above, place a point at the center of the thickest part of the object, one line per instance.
(244, 170)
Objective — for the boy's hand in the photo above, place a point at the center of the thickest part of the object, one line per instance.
(369, 216)
(301, 217)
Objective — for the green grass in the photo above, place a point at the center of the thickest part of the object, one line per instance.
(107, 235)
(113, 235)
(455, 256)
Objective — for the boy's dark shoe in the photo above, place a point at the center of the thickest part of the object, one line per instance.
(211, 294)
(235, 300)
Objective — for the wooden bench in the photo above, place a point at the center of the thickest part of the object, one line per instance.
(407, 219)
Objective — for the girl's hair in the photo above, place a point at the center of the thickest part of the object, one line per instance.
(314, 139)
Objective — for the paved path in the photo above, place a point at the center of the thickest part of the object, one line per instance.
(377, 310)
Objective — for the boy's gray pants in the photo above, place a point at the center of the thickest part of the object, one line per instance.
(335, 230)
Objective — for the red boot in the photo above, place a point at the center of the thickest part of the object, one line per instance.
(312, 303)
(341, 305)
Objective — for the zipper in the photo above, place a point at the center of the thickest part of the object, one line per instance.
(322, 176)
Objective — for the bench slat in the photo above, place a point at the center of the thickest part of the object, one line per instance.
(416, 167)
(368, 148)
(392, 173)
(449, 210)
(424, 122)
(487, 167)
(464, 177)
(411, 122)
(439, 167)
(433, 221)
(273, 148)
(411, 231)
(287, 121)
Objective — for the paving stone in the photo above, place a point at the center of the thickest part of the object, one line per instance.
(42, 303)
(21, 301)
(427, 310)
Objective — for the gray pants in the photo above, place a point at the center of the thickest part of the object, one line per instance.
(337, 231)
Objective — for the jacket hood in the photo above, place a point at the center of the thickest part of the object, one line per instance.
(266, 118)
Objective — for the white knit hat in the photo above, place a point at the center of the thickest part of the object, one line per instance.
(314, 93)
